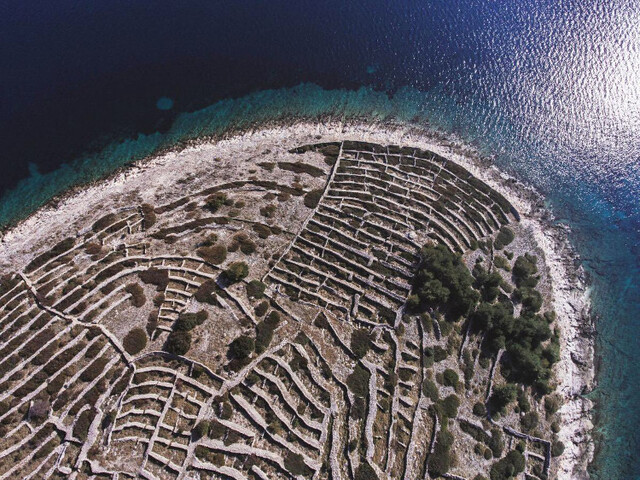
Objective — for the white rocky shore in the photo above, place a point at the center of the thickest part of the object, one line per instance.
(147, 178)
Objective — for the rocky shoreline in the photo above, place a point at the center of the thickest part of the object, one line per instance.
(570, 294)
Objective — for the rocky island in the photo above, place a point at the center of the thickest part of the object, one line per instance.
(310, 301)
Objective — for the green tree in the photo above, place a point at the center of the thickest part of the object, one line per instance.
(360, 342)
(241, 347)
(236, 272)
(502, 396)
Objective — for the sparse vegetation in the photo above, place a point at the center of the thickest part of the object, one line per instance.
(317, 343)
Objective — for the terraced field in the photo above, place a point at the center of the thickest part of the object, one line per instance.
(280, 325)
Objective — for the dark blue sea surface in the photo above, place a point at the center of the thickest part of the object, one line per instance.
(550, 90)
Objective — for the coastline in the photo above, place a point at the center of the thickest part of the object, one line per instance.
(570, 290)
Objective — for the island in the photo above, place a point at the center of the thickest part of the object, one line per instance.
(312, 301)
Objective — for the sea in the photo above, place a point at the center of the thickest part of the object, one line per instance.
(549, 90)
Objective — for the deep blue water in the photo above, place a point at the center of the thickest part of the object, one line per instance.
(549, 89)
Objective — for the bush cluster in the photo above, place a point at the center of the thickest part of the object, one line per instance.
(241, 347)
(214, 202)
(300, 167)
(261, 308)
(358, 381)
(242, 241)
(206, 292)
(149, 215)
(501, 396)
(215, 254)
(312, 198)
(200, 430)
(441, 460)
(188, 321)
(294, 463)
(255, 289)
(528, 361)
(155, 276)
(178, 342)
(137, 294)
(264, 331)
(365, 471)
(135, 341)
(236, 272)
(360, 342)
(443, 282)
(450, 378)
(508, 467)
(505, 237)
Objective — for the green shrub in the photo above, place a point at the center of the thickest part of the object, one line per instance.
(430, 390)
(552, 404)
(200, 430)
(530, 299)
(241, 347)
(263, 231)
(509, 466)
(206, 292)
(188, 321)
(135, 341)
(178, 342)
(360, 342)
(505, 237)
(365, 471)
(264, 331)
(501, 262)
(215, 201)
(137, 294)
(255, 289)
(524, 269)
(557, 448)
(496, 443)
(450, 378)
(439, 353)
(155, 276)
(268, 211)
(358, 381)
(450, 406)
(479, 409)
(236, 272)
(214, 255)
(501, 396)
(312, 198)
(261, 308)
(529, 421)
